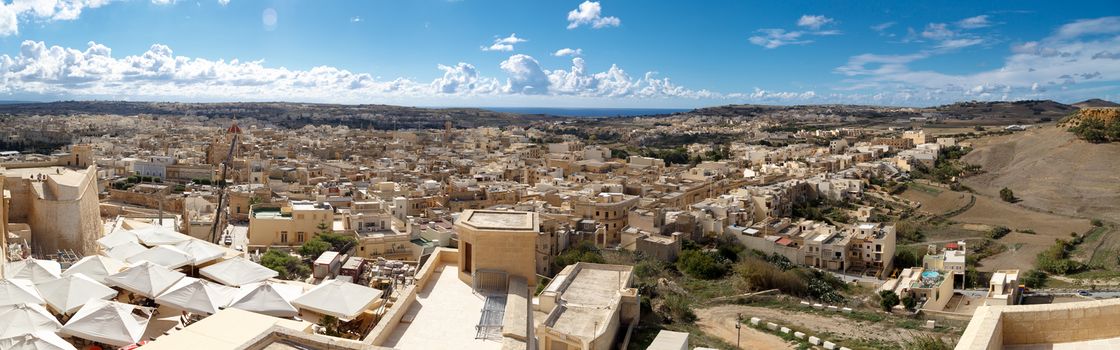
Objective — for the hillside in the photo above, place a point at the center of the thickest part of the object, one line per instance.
(288, 114)
(1096, 102)
(1027, 111)
(1050, 169)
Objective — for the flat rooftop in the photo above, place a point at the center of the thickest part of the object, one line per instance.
(446, 312)
(589, 298)
(500, 220)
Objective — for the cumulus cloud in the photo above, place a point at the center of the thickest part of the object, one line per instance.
(590, 13)
(158, 73)
(223, 2)
(568, 52)
(463, 78)
(771, 38)
(813, 22)
(41, 10)
(504, 44)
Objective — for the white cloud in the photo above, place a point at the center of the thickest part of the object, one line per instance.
(93, 72)
(525, 75)
(504, 44)
(774, 38)
(1057, 64)
(882, 26)
(568, 52)
(223, 2)
(590, 13)
(771, 38)
(938, 31)
(163, 2)
(974, 22)
(41, 10)
(953, 44)
(813, 22)
(463, 78)
(355, 19)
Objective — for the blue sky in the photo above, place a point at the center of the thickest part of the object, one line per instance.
(611, 53)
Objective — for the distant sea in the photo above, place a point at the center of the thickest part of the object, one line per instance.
(587, 112)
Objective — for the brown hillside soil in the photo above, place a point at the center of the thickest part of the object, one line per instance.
(1051, 170)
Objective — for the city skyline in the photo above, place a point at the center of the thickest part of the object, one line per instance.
(557, 54)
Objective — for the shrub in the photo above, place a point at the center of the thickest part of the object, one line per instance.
(1007, 195)
(998, 232)
(701, 265)
(888, 300)
(926, 342)
(760, 275)
(1096, 222)
(678, 308)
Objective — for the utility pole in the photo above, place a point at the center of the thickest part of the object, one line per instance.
(738, 329)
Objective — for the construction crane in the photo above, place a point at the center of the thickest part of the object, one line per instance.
(215, 238)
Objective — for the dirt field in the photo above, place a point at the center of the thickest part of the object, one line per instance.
(934, 200)
(1050, 169)
(990, 211)
(720, 322)
(839, 327)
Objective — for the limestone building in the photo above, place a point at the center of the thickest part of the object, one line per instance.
(497, 245)
(59, 204)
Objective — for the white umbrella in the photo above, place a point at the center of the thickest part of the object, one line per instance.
(35, 270)
(146, 279)
(17, 291)
(200, 251)
(337, 298)
(21, 319)
(268, 298)
(157, 235)
(124, 250)
(238, 272)
(109, 322)
(42, 340)
(165, 255)
(69, 293)
(197, 296)
(96, 267)
(117, 238)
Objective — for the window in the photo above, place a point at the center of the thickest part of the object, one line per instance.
(299, 216)
(283, 236)
(299, 237)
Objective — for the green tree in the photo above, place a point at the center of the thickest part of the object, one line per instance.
(909, 302)
(887, 299)
(1035, 279)
(289, 267)
(1007, 195)
(313, 248)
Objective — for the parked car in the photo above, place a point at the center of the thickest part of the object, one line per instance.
(227, 239)
(1084, 293)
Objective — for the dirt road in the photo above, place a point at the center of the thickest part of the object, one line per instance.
(720, 322)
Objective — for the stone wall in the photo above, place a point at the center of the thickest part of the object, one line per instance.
(993, 327)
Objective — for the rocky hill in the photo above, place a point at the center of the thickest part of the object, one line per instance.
(1096, 102)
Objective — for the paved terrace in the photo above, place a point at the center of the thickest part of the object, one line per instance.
(445, 312)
